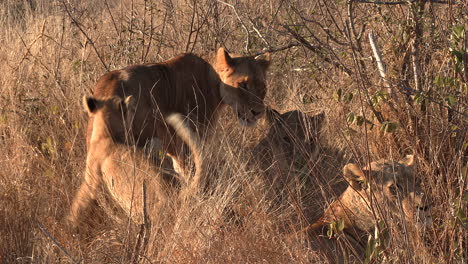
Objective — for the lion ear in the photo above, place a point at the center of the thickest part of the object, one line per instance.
(130, 103)
(355, 176)
(263, 60)
(408, 161)
(312, 124)
(223, 60)
(272, 115)
(91, 104)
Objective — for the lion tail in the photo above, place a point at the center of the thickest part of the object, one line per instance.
(177, 121)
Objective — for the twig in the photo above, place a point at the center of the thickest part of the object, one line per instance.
(324, 28)
(317, 50)
(112, 18)
(52, 73)
(150, 34)
(44, 230)
(191, 31)
(143, 236)
(396, 2)
(273, 49)
(247, 44)
(381, 64)
(258, 33)
(417, 16)
(78, 25)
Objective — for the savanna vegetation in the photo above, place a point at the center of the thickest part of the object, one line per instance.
(390, 76)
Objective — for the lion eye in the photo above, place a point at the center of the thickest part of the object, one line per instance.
(243, 85)
(255, 113)
(394, 188)
(287, 140)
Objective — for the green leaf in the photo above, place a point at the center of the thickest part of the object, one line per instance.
(388, 127)
(359, 120)
(451, 100)
(458, 32)
(419, 98)
(3, 119)
(348, 97)
(457, 54)
(438, 81)
(330, 233)
(350, 117)
(341, 225)
(337, 94)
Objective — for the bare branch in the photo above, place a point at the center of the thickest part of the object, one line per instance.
(396, 2)
(377, 55)
(317, 50)
(78, 25)
(56, 243)
(247, 44)
(145, 228)
(271, 50)
(258, 33)
(381, 65)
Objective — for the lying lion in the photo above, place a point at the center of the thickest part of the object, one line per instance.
(123, 170)
(384, 190)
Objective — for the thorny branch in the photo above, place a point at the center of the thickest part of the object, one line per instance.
(272, 49)
(44, 230)
(317, 50)
(396, 2)
(247, 43)
(78, 25)
(381, 65)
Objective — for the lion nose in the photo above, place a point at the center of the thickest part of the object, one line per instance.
(423, 208)
(255, 113)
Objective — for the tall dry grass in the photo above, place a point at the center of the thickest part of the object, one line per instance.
(52, 53)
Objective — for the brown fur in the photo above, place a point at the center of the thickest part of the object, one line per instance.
(289, 146)
(189, 85)
(122, 169)
(390, 184)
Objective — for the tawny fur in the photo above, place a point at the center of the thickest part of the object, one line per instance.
(189, 85)
(291, 144)
(123, 169)
(391, 185)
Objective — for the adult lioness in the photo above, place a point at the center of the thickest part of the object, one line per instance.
(385, 190)
(191, 86)
(120, 168)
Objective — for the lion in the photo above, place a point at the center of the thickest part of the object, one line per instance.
(292, 142)
(121, 169)
(390, 185)
(191, 86)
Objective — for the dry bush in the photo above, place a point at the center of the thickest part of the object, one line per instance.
(54, 51)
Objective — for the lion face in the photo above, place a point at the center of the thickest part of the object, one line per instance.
(394, 187)
(293, 136)
(243, 85)
(112, 115)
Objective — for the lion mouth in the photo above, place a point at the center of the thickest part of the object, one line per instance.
(247, 122)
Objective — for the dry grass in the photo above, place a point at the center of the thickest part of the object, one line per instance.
(52, 52)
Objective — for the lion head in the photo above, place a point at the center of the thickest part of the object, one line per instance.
(114, 117)
(243, 84)
(390, 185)
(292, 139)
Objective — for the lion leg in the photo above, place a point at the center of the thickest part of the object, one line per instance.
(85, 195)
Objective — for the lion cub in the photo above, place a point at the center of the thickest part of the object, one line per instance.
(290, 144)
(120, 168)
